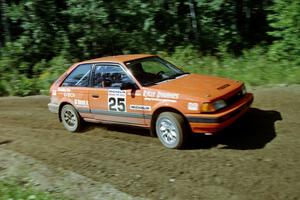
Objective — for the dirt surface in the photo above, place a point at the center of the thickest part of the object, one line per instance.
(256, 158)
(27, 171)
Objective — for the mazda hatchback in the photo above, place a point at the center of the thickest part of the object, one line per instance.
(146, 91)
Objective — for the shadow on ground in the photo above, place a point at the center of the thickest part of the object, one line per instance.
(118, 128)
(253, 131)
(5, 142)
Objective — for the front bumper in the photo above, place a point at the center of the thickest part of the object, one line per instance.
(211, 123)
(53, 107)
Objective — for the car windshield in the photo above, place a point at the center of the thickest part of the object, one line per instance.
(153, 70)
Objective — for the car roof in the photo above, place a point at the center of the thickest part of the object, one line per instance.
(118, 58)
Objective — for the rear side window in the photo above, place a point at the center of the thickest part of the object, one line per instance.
(79, 77)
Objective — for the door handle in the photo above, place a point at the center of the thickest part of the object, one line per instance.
(95, 96)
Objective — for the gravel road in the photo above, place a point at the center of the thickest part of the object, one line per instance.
(255, 158)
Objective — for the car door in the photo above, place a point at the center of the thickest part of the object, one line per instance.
(108, 102)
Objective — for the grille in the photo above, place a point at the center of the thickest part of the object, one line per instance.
(234, 98)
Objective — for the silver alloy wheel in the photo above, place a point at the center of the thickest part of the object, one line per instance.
(168, 131)
(70, 118)
(169, 128)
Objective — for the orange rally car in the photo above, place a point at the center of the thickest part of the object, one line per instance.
(147, 91)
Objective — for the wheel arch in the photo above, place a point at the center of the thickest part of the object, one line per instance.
(160, 110)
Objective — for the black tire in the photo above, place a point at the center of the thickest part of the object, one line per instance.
(70, 118)
(170, 129)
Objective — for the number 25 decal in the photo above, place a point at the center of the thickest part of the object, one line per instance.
(117, 104)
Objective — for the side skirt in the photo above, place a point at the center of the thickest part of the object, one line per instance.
(113, 122)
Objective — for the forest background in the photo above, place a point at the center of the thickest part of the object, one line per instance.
(256, 41)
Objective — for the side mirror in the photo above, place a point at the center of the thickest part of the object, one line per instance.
(128, 85)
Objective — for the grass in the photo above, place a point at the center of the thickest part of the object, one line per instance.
(254, 67)
(10, 190)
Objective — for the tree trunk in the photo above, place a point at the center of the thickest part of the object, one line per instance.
(193, 19)
(4, 20)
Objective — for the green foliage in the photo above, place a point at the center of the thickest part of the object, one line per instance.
(253, 40)
(253, 66)
(285, 22)
(3, 88)
(11, 190)
(87, 28)
(55, 67)
(22, 86)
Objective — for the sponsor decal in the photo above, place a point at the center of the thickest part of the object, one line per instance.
(69, 95)
(116, 93)
(149, 93)
(81, 103)
(140, 107)
(167, 95)
(193, 106)
(116, 100)
(62, 89)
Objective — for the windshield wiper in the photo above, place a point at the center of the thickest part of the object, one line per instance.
(178, 74)
(174, 76)
(150, 83)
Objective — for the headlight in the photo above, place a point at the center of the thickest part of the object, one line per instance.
(213, 106)
(219, 104)
(244, 91)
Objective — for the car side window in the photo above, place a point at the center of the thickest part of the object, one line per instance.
(109, 76)
(79, 77)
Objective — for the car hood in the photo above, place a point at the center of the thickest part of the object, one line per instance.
(203, 87)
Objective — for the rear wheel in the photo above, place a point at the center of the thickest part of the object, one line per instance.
(70, 118)
(170, 130)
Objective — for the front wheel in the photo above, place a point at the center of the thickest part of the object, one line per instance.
(70, 118)
(170, 130)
